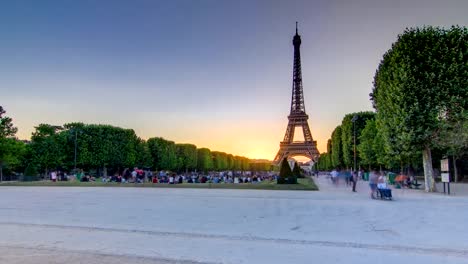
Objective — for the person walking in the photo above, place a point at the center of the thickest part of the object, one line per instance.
(354, 179)
(373, 179)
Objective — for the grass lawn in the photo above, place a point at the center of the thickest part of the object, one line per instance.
(306, 184)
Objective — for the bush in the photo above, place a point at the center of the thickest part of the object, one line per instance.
(297, 171)
(286, 176)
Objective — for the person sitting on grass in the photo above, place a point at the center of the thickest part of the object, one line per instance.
(171, 179)
(85, 178)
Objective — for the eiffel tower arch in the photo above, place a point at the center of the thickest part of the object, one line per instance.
(297, 117)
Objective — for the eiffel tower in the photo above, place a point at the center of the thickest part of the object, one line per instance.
(297, 117)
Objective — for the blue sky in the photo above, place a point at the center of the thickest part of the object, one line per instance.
(214, 73)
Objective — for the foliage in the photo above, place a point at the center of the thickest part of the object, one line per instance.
(46, 147)
(186, 157)
(296, 172)
(143, 155)
(30, 173)
(421, 81)
(454, 136)
(219, 160)
(8, 145)
(453, 139)
(99, 147)
(204, 160)
(286, 175)
(337, 148)
(348, 127)
(371, 149)
(163, 153)
(6, 125)
(11, 154)
(31, 170)
(260, 166)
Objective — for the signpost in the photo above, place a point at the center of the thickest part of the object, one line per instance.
(444, 168)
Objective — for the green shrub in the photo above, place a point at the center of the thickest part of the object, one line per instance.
(286, 176)
(297, 171)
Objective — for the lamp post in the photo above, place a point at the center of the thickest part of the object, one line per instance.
(355, 118)
(76, 138)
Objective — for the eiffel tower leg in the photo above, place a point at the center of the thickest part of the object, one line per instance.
(279, 157)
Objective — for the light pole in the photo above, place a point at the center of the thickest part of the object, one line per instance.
(355, 118)
(76, 138)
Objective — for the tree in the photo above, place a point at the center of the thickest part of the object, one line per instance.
(337, 148)
(163, 153)
(187, 156)
(143, 155)
(286, 175)
(348, 130)
(105, 146)
(6, 125)
(370, 148)
(204, 160)
(421, 82)
(47, 147)
(237, 163)
(454, 138)
(219, 160)
(7, 143)
(296, 172)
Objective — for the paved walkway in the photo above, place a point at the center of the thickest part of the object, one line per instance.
(334, 225)
(456, 189)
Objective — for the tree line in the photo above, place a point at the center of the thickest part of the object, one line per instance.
(105, 147)
(420, 97)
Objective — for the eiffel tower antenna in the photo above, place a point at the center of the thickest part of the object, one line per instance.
(297, 116)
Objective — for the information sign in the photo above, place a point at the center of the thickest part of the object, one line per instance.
(445, 177)
(444, 166)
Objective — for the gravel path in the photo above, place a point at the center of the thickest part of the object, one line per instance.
(134, 225)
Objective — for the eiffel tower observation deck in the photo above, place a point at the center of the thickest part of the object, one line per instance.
(297, 116)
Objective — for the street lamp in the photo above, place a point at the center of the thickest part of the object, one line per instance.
(355, 118)
(76, 138)
(75, 130)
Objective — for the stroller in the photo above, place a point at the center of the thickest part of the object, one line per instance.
(383, 192)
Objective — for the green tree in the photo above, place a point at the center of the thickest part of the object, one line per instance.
(286, 175)
(347, 134)
(7, 129)
(454, 139)
(296, 172)
(163, 153)
(219, 160)
(143, 155)
(366, 147)
(7, 144)
(11, 153)
(204, 160)
(421, 82)
(237, 163)
(337, 148)
(47, 147)
(105, 146)
(187, 156)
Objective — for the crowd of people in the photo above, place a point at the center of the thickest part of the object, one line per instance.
(378, 182)
(137, 175)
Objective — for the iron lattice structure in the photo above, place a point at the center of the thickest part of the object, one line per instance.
(297, 116)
